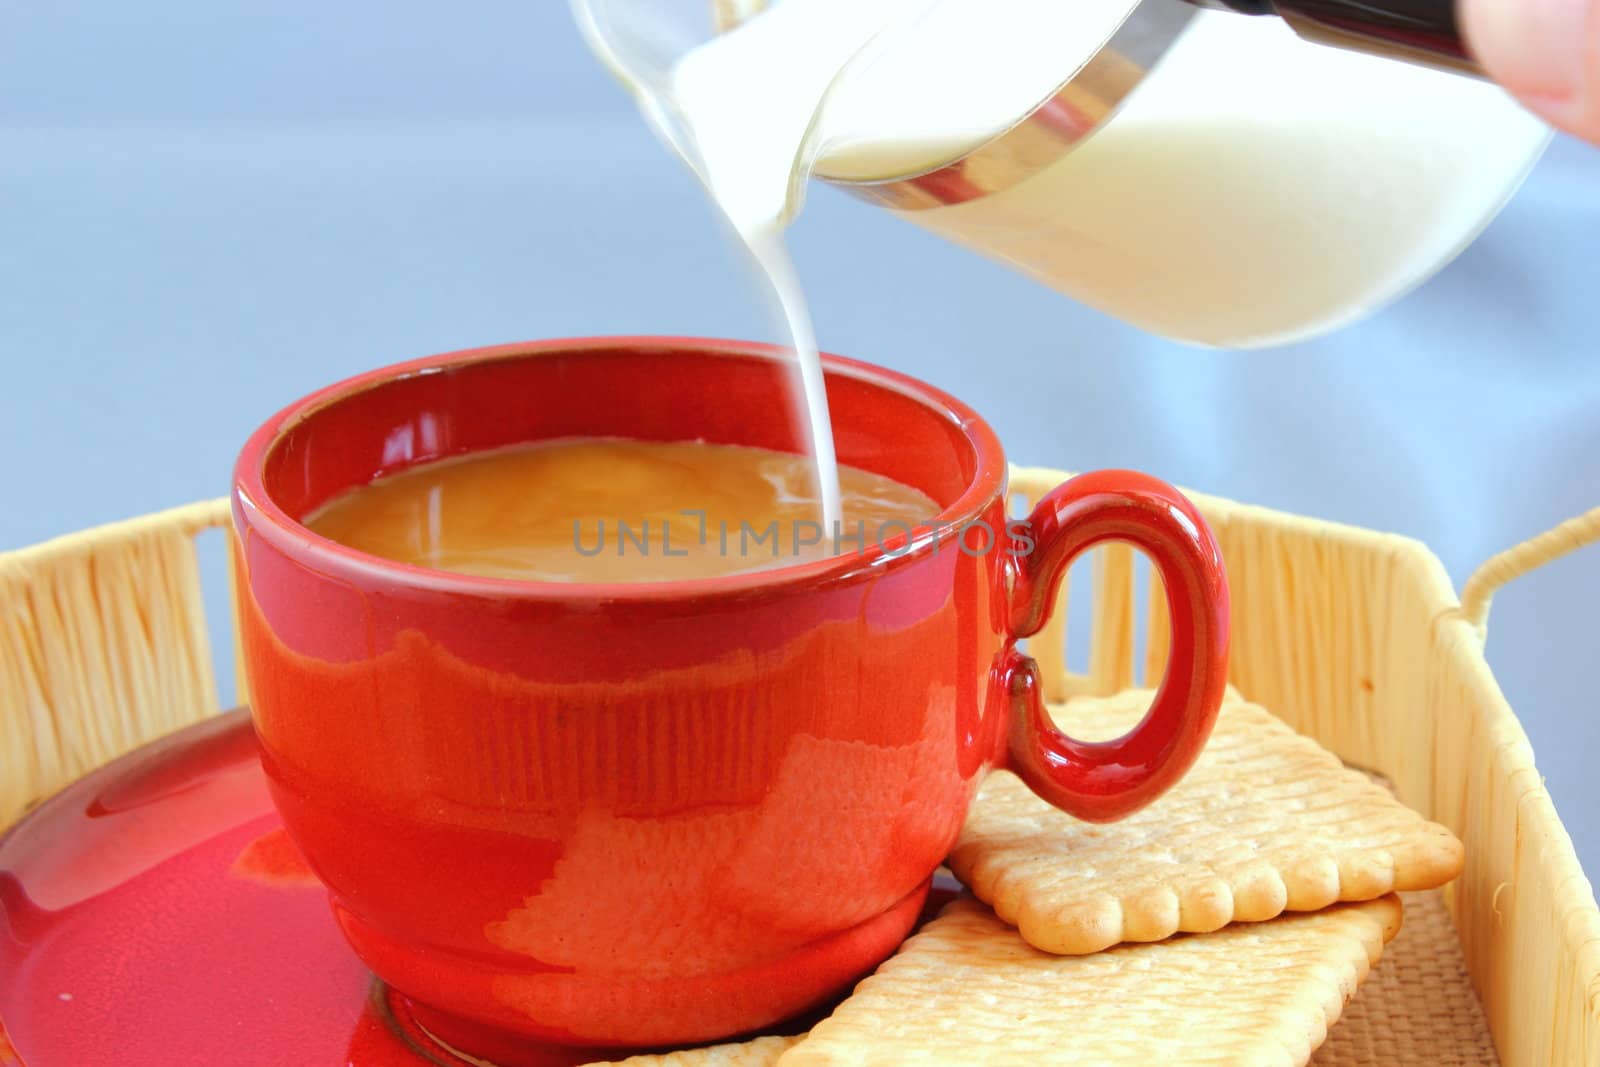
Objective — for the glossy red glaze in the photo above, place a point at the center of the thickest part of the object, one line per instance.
(153, 914)
(667, 812)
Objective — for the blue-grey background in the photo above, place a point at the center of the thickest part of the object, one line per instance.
(207, 210)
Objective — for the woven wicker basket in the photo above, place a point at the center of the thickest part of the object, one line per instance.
(1354, 637)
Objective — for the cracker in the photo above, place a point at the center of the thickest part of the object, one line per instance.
(1267, 821)
(757, 1052)
(967, 990)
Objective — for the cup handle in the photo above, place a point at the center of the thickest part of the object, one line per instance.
(1103, 781)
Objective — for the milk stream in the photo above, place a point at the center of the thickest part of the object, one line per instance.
(741, 111)
(742, 132)
(750, 103)
(863, 82)
(772, 253)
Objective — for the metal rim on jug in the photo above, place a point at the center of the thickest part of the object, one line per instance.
(1078, 107)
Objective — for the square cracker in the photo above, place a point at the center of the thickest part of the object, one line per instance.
(967, 990)
(1267, 821)
(757, 1052)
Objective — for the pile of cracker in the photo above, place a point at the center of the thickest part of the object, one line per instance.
(1228, 923)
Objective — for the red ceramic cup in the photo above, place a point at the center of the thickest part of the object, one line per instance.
(667, 812)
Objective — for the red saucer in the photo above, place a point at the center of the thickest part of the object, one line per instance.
(154, 914)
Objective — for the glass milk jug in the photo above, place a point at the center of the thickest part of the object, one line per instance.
(1228, 180)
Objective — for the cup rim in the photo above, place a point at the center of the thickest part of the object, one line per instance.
(255, 510)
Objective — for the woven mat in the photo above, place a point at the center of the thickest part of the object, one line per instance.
(1418, 1007)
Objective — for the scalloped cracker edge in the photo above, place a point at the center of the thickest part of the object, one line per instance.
(1267, 821)
(757, 1052)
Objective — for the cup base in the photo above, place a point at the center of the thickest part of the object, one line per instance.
(494, 1048)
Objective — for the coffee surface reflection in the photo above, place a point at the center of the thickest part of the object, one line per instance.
(614, 510)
